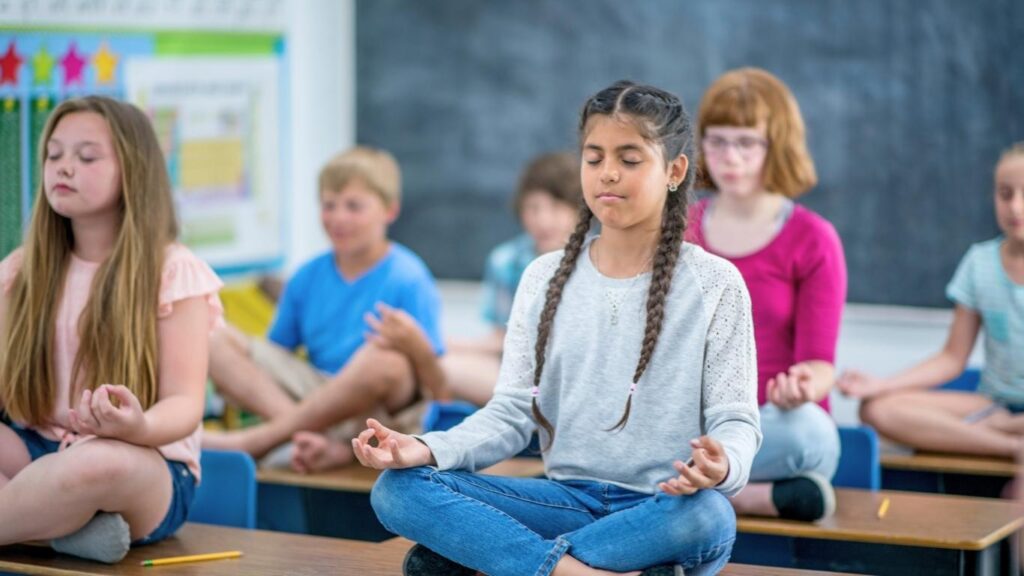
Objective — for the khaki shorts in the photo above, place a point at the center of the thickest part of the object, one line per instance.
(294, 375)
(299, 379)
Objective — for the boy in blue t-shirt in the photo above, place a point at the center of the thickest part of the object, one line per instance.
(340, 307)
(547, 202)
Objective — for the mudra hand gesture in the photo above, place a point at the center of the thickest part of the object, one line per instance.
(706, 469)
(393, 449)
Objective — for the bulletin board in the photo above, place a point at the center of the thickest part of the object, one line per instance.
(213, 84)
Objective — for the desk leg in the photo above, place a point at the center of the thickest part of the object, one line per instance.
(982, 562)
(1010, 553)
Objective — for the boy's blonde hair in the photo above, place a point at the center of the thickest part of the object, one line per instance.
(373, 167)
(117, 329)
(747, 97)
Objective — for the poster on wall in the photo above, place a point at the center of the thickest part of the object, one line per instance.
(215, 99)
(217, 121)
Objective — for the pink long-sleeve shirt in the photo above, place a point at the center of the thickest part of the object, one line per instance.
(797, 285)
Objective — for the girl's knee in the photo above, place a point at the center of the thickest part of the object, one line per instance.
(873, 412)
(704, 531)
(380, 370)
(395, 490)
(708, 523)
(96, 464)
(807, 438)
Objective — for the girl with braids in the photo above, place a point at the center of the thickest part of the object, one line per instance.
(633, 353)
(755, 161)
(104, 321)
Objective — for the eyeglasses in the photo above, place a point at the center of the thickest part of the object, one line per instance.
(746, 146)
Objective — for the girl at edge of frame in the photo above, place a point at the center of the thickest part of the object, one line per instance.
(105, 322)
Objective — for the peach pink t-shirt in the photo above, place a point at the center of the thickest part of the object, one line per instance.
(797, 287)
(184, 276)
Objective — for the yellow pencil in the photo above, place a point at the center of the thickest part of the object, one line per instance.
(194, 558)
(883, 508)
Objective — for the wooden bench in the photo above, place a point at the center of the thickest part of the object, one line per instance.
(960, 534)
(264, 553)
(945, 473)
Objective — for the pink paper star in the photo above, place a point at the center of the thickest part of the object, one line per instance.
(9, 65)
(74, 65)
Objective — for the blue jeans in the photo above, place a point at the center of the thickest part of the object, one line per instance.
(521, 526)
(804, 439)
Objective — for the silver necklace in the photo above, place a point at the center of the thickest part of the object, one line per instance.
(617, 296)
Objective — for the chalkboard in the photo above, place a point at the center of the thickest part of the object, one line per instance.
(908, 104)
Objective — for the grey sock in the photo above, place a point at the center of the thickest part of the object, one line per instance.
(105, 538)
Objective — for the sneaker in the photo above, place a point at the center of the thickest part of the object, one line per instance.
(422, 561)
(807, 497)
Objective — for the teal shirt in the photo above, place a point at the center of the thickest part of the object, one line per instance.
(981, 284)
(505, 266)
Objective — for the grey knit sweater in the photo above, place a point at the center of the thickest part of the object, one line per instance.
(702, 378)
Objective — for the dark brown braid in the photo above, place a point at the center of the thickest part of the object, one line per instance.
(551, 300)
(660, 118)
(673, 226)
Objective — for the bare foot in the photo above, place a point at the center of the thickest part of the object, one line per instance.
(314, 452)
(755, 499)
(1004, 421)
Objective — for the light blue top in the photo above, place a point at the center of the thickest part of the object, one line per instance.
(505, 266)
(981, 284)
(701, 379)
(324, 312)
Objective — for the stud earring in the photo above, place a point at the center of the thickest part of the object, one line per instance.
(673, 186)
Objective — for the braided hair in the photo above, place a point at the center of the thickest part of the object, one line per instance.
(659, 117)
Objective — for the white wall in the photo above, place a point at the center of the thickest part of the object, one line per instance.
(321, 57)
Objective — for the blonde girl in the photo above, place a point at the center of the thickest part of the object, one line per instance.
(103, 344)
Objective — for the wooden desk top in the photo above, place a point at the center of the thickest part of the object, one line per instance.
(266, 553)
(751, 570)
(913, 519)
(950, 463)
(397, 547)
(358, 478)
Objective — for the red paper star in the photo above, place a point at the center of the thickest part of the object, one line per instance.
(74, 65)
(9, 65)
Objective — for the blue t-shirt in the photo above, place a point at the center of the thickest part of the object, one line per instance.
(324, 312)
(981, 284)
(504, 267)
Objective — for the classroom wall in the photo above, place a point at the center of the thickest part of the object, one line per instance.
(313, 102)
(908, 104)
(321, 36)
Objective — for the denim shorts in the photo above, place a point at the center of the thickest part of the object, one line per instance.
(183, 482)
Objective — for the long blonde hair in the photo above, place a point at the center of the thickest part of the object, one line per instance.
(117, 327)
